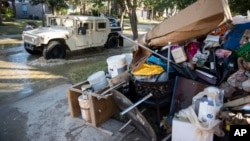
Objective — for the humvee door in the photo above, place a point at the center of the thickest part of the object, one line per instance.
(83, 37)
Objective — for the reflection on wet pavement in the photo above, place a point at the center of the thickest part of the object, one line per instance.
(4, 46)
(8, 42)
(17, 78)
(10, 70)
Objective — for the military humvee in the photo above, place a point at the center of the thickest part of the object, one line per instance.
(71, 33)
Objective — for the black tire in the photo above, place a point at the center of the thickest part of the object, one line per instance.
(112, 42)
(54, 50)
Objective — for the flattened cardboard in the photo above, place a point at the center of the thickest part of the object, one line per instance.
(197, 20)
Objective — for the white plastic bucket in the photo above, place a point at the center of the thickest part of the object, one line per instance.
(129, 57)
(85, 108)
(116, 65)
(98, 80)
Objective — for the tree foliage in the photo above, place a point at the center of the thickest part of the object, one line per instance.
(151, 4)
(6, 12)
(98, 7)
(181, 4)
(54, 5)
(239, 6)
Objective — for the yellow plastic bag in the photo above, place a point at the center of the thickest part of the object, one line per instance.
(147, 70)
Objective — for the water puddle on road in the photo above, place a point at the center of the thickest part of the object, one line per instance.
(23, 74)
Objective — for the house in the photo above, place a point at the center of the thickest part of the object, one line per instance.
(25, 10)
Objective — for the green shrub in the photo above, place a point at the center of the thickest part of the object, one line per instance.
(75, 13)
(9, 12)
(16, 26)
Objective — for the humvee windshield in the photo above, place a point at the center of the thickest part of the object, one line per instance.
(55, 21)
(68, 23)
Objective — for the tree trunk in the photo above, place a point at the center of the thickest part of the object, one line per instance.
(122, 18)
(131, 8)
(84, 9)
(133, 23)
(43, 14)
(152, 14)
(13, 7)
(109, 9)
(1, 20)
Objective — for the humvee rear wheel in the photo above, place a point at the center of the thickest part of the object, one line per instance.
(112, 42)
(55, 50)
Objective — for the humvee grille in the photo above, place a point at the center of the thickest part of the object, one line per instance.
(27, 39)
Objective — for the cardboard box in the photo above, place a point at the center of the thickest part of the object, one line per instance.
(185, 131)
(194, 21)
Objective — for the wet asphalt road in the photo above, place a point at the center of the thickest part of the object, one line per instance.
(13, 83)
(22, 74)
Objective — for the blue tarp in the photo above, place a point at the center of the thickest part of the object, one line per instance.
(234, 36)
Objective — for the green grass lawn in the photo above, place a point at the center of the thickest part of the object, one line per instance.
(81, 74)
(16, 26)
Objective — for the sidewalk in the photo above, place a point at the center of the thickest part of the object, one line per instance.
(46, 117)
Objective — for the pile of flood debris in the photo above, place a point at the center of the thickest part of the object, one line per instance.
(193, 68)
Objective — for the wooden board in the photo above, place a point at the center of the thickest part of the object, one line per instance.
(101, 109)
(119, 78)
(74, 107)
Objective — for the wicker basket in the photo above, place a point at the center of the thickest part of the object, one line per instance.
(158, 89)
(162, 95)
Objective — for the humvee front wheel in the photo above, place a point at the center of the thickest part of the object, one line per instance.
(112, 42)
(54, 50)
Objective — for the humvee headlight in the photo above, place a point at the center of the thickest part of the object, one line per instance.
(35, 40)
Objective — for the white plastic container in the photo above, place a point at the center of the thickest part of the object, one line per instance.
(183, 130)
(98, 80)
(208, 111)
(116, 65)
(207, 104)
(85, 108)
(128, 57)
